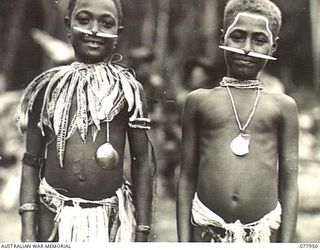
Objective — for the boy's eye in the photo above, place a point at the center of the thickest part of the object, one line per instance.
(261, 40)
(108, 23)
(83, 20)
(237, 37)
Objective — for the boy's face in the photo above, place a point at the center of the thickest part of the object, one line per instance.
(249, 32)
(96, 16)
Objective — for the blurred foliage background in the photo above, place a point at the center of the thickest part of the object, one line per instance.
(173, 47)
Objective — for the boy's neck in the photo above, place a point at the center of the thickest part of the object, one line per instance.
(79, 62)
(89, 62)
(240, 83)
(114, 57)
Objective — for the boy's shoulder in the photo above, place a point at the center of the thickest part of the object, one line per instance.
(281, 99)
(285, 103)
(45, 77)
(199, 94)
(130, 73)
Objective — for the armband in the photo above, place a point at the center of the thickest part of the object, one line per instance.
(143, 228)
(28, 207)
(141, 123)
(32, 160)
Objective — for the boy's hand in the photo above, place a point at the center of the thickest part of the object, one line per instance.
(28, 237)
(29, 227)
(141, 237)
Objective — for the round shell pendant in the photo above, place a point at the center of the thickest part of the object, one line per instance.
(101, 115)
(240, 145)
(107, 157)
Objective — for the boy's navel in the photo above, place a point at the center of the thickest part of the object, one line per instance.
(235, 197)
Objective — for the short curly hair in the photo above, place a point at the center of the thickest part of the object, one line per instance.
(265, 8)
(117, 3)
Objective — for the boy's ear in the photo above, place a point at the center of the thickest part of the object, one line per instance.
(222, 36)
(275, 45)
(120, 29)
(67, 24)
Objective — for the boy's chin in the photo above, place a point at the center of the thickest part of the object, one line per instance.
(244, 73)
(91, 59)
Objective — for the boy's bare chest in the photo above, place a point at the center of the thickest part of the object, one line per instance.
(219, 114)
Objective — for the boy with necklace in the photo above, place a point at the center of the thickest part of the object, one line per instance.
(238, 180)
(78, 116)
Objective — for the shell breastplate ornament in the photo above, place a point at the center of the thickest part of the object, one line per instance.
(106, 156)
(240, 145)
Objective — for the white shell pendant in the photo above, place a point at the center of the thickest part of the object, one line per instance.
(101, 115)
(240, 145)
(107, 157)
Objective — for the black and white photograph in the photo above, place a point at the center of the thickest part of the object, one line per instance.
(160, 121)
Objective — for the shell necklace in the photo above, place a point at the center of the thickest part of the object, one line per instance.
(240, 145)
(106, 156)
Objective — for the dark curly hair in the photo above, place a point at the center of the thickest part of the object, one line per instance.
(118, 4)
(265, 8)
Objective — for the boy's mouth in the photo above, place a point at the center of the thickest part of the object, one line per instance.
(245, 60)
(92, 39)
(93, 42)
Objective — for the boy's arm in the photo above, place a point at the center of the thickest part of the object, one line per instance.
(288, 170)
(189, 169)
(30, 176)
(142, 175)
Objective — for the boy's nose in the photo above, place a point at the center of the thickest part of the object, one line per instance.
(247, 46)
(94, 27)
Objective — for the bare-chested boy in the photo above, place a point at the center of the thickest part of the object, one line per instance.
(239, 167)
(73, 186)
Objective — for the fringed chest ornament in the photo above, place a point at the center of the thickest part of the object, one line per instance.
(100, 90)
